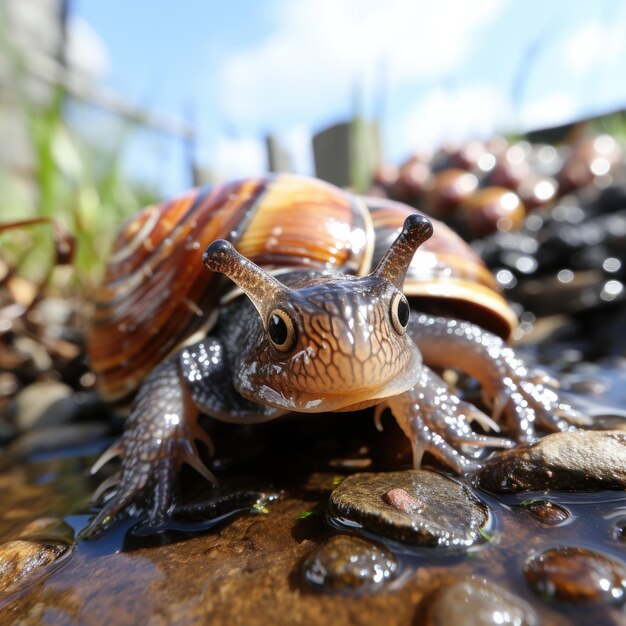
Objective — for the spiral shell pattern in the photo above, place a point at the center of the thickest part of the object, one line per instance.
(446, 277)
(156, 293)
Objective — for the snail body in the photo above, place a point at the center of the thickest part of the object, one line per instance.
(324, 319)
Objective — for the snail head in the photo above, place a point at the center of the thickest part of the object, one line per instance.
(330, 342)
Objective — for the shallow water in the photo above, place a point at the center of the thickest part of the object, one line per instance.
(244, 566)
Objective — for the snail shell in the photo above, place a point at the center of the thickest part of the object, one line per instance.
(446, 276)
(157, 294)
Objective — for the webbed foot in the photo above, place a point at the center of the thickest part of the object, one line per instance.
(518, 397)
(527, 399)
(160, 436)
(437, 421)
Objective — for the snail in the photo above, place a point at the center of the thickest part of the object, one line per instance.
(319, 322)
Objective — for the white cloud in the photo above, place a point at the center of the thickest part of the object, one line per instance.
(551, 110)
(453, 116)
(297, 140)
(86, 51)
(592, 46)
(238, 157)
(322, 49)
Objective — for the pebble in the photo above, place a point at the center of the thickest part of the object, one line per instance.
(547, 512)
(576, 575)
(478, 603)
(35, 351)
(619, 531)
(9, 384)
(583, 460)
(7, 430)
(33, 402)
(417, 507)
(349, 563)
(47, 529)
(55, 438)
(23, 561)
(79, 406)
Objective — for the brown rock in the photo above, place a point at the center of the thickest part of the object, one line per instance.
(583, 460)
(577, 575)
(548, 513)
(478, 603)
(349, 563)
(23, 561)
(416, 507)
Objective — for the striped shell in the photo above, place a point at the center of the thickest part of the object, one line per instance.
(157, 294)
(446, 276)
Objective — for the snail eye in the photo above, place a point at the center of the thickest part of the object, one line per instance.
(281, 330)
(399, 312)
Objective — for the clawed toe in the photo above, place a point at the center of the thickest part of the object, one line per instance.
(117, 449)
(109, 483)
(147, 477)
(122, 499)
(552, 412)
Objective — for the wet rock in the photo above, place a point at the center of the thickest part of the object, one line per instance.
(35, 352)
(349, 563)
(23, 561)
(547, 512)
(7, 430)
(572, 461)
(53, 312)
(48, 528)
(619, 531)
(585, 385)
(478, 603)
(576, 575)
(32, 403)
(416, 507)
(79, 406)
(55, 438)
(9, 384)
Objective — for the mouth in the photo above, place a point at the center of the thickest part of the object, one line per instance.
(305, 402)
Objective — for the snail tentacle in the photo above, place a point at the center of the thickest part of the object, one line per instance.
(262, 288)
(394, 264)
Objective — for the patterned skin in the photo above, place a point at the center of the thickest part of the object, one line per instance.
(316, 342)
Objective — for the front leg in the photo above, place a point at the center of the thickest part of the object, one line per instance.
(162, 429)
(435, 420)
(159, 437)
(525, 399)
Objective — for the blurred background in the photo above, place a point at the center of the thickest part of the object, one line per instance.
(180, 92)
(105, 107)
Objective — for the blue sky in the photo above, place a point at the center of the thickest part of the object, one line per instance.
(429, 71)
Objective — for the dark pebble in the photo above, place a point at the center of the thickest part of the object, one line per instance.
(619, 531)
(576, 575)
(48, 529)
(34, 401)
(547, 512)
(55, 438)
(349, 563)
